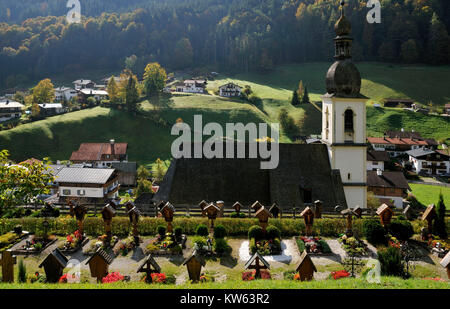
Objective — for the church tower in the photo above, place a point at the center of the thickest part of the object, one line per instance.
(344, 118)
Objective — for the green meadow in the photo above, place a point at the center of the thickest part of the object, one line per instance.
(428, 194)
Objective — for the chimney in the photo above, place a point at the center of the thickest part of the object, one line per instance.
(112, 143)
(379, 172)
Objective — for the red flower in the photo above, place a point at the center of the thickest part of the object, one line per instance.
(112, 277)
(69, 238)
(340, 274)
(63, 279)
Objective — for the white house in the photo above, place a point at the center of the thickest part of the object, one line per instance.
(90, 183)
(97, 94)
(10, 109)
(50, 109)
(430, 162)
(83, 84)
(66, 93)
(230, 90)
(376, 160)
(192, 86)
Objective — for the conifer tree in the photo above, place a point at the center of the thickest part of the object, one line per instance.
(439, 222)
(305, 97)
(295, 101)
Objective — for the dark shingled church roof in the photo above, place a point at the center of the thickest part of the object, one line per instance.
(301, 166)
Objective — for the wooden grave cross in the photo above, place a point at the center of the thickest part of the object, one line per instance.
(7, 262)
(254, 263)
(149, 266)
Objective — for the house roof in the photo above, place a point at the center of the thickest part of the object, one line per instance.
(190, 180)
(305, 258)
(59, 257)
(151, 260)
(253, 258)
(103, 254)
(230, 85)
(374, 155)
(9, 104)
(94, 151)
(396, 141)
(387, 180)
(82, 81)
(93, 92)
(84, 175)
(421, 152)
(63, 89)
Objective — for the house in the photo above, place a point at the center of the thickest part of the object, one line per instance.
(10, 110)
(192, 86)
(429, 161)
(303, 175)
(432, 143)
(230, 90)
(117, 79)
(376, 160)
(65, 93)
(100, 154)
(127, 173)
(99, 95)
(396, 146)
(388, 186)
(396, 102)
(51, 109)
(89, 184)
(83, 84)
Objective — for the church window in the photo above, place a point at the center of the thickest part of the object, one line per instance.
(348, 120)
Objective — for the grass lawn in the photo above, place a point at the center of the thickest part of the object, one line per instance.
(385, 283)
(427, 194)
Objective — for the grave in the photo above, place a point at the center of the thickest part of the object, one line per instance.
(256, 206)
(263, 216)
(275, 210)
(149, 266)
(99, 263)
(7, 262)
(237, 208)
(167, 212)
(318, 209)
(212, 212)
(429, 215)
(133, 214)
(194, 264)
(108, 212)
(385, 213)
(308, 217)
(306, 268)
(254, 263)
(54, 265)
(202, 206)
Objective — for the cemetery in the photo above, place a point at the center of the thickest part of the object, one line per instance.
(172, 250)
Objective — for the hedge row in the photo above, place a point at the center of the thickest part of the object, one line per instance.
(148, 226)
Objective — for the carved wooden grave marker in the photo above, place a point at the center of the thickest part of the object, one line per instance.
(54, 265)
(306, 268)
(263, 216)
(253, 263)
(194, 265)
(167, 212)
(133, 214)
(274, 210)
(429, 215)
(149, 266)
(308, 216)
(99, 264)
(237, 208)
(385, 213)
(318, 209)
(8, 260)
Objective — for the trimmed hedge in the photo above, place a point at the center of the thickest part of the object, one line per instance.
(94, 226)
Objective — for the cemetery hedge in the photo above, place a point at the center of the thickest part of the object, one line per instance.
(93, 226)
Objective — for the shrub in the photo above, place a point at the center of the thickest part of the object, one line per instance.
(202, 230)
(200, 241)
(439, 222)
(325, 247)
(220, 231)
(391, 262)
(161, 230)
(301, 245)
(273, 232)
(178, 231)
(22, 275)
(255, 232)
(374, 232)
(221, 246)
(401, 229)
(238, 215)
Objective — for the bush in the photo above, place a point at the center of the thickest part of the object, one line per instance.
(178, 231)
(220, 231)
(202, 230)
(325, 247)
(161, 230)
(273, 232)
(236, 215)
(221, 246)
(255, 232)
(401, 229)
(374, 232)
(200, 241)
(391, 262)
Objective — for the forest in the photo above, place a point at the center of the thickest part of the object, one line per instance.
(230, 35)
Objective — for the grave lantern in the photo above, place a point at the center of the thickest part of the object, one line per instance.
(149, 266)
(237, 207)
(202, 206)
(211, 211)
(446, 263)
(429, 215)
(308, 216)
(409, 213)
(253, 263)
(54, 265)
(194, 265)
(221, 206)
(263, 216)
(306, 268)
(99, 264)
(274, 210)
(318, 209)
(133, 214)
(108, 212)
(167, 212)
(256, 206)
(7, 262)
(385, 213)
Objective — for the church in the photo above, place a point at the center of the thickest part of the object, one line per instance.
(333, 171)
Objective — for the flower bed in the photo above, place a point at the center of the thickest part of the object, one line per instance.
(112, 277)
(101, 243)
(339, 274)
(250, 275)
(34, 245)
(265, 246)
(124, 246)
(353, 246)
(73, 242)
(165, 245)
(313, 245)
